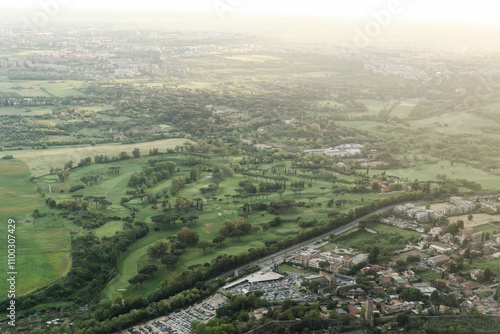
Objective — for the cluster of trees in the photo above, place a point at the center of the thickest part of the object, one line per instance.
(235, 229)
(155, 171)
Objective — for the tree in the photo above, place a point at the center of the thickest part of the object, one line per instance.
(435, 299)
(188, 236)
(236, 234)
(467, 253)
(149, 270)
(157, 250)
(402, 319)
(372, 257)
(138, 279)
(204, 245)
(170, 260)
(218, 240)
(396, 186)
(68, 165)
(85, 205)
(136, 152)
(470, 217)
(324, 264)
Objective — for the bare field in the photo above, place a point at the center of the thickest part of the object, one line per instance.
(477, 219)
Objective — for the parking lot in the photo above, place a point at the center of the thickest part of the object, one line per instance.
(180, 322)
(273, 290)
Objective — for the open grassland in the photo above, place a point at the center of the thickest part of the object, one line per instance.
(488, 228)
(374, 106)
(360, 238)
(426, 172)
(21, 111)
(456, 123)
(402, 111)
(34, 88)
(18, 195)
(62, 88)
(254, 58)
(404, 256)
(23, 88)
(39, 161)
(477, 219)
(42, 254)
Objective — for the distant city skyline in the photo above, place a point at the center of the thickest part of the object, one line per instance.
(467, 12)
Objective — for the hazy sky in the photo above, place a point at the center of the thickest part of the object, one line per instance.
(477, 11)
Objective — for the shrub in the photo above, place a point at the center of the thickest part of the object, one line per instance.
(75, 188)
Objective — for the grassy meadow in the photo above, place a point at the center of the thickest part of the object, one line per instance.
(39, 161)
(42, 253)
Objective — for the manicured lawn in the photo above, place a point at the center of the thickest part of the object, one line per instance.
(109, 229)
(289, 268)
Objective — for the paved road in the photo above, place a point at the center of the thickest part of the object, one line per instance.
(266, 263)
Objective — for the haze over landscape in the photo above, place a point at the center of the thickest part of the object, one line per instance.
(233, 166)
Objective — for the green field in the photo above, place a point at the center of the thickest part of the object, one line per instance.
(424, 172)
(402, 111)
(40, 161)
(23, 88)
(291, 269)
(374, 106)
(254, 58)
(487, 228)
(360, 238)
(456, 123)
(42, 253)
(430, 275)
(109, 229)
(38, 110)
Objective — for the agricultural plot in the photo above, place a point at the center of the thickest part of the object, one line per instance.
(428, 172)
(456, 123)
(23, 88)
(39, 161)
(478, 219)
(62, 88)
(254, 58)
